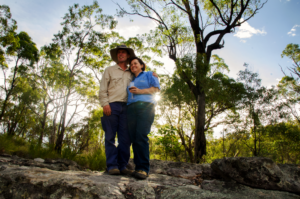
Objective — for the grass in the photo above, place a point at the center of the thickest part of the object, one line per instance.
(93, 159)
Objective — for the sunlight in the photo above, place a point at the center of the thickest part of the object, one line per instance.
(157, 97)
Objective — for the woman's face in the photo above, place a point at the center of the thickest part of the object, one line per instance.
(135, 66)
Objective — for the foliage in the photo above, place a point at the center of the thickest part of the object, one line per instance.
(289, 85)
(94, 160)
(10, 144)
(180, 31)
(178, 105)
(170, 143)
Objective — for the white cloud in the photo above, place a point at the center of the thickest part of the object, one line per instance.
(244, 41)
(131, 29)
(247, 31)
(293, 30)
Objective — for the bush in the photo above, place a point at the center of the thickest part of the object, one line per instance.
(36, 151)
(13, 145)
(94, 160)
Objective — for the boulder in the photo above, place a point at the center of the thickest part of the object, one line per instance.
(259, 172)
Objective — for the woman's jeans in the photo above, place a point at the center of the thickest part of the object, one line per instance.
(116, 157)
(140, 116)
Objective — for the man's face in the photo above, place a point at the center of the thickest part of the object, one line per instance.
(122, 55)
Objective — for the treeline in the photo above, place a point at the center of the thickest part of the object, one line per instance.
(280, 142)
(49, 104)
(257, 121)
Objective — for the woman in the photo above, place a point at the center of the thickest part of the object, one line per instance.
(140, 114)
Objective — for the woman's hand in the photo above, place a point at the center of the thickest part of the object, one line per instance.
(135, 90)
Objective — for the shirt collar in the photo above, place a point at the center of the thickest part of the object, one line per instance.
(119, 67)
(138, 75)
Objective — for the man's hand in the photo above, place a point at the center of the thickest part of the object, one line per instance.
(107, 110)
(155, 74)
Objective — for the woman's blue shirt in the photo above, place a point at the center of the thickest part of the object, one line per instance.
(142, 81)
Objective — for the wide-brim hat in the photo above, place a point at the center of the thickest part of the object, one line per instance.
(113, 52)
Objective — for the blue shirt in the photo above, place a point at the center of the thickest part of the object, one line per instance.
(142, 81)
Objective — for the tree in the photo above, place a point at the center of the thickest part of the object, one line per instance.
(176, 19)
(80, 46)
(223, 96)
(282, 140)
(8, 26)
(289, 85)
(257, 109)
(25, 54)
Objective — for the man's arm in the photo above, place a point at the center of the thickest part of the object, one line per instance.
(103, 93)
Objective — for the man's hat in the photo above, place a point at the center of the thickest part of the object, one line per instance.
(113, 52)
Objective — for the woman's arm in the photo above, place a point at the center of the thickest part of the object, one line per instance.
(150, 90)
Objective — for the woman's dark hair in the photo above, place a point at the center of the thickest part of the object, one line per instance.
(139, 60)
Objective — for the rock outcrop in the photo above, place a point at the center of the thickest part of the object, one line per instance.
(259, 172)
(166, 180)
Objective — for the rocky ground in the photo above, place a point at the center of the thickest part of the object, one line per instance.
(226, 178)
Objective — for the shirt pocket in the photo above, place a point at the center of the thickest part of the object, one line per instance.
(115, 82)
(143, 83)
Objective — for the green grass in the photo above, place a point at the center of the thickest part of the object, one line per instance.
(93, 159)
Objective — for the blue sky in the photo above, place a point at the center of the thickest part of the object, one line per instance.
(259, 42)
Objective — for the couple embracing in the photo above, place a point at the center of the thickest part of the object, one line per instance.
(126, 95)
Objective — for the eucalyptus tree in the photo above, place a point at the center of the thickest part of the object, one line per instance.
(47, 77)
(175, 18)
(289, 85)
(22, 53)
(224, 96)
(80, 46)
(17, 53)
(19, 117)
(8, 26)
(257, 109)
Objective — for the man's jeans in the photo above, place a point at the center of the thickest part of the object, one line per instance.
(140, 117)
(116, 157)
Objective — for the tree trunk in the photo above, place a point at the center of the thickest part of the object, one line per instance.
(255, 139)
(53, 133)
(9, 92)
(62, 128)
(43, 124)
(200, 140)
(4, 106)
(186, 148)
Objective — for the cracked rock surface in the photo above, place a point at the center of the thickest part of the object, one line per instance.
(166, 180)
(259, 172)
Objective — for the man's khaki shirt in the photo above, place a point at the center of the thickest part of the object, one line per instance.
(113, 85)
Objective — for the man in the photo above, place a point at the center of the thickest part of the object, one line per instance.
(113, 98)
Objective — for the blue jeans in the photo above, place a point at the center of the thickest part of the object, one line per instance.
(140, 117)
(116, 157)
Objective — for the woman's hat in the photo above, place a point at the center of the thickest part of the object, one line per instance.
(113, 52)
